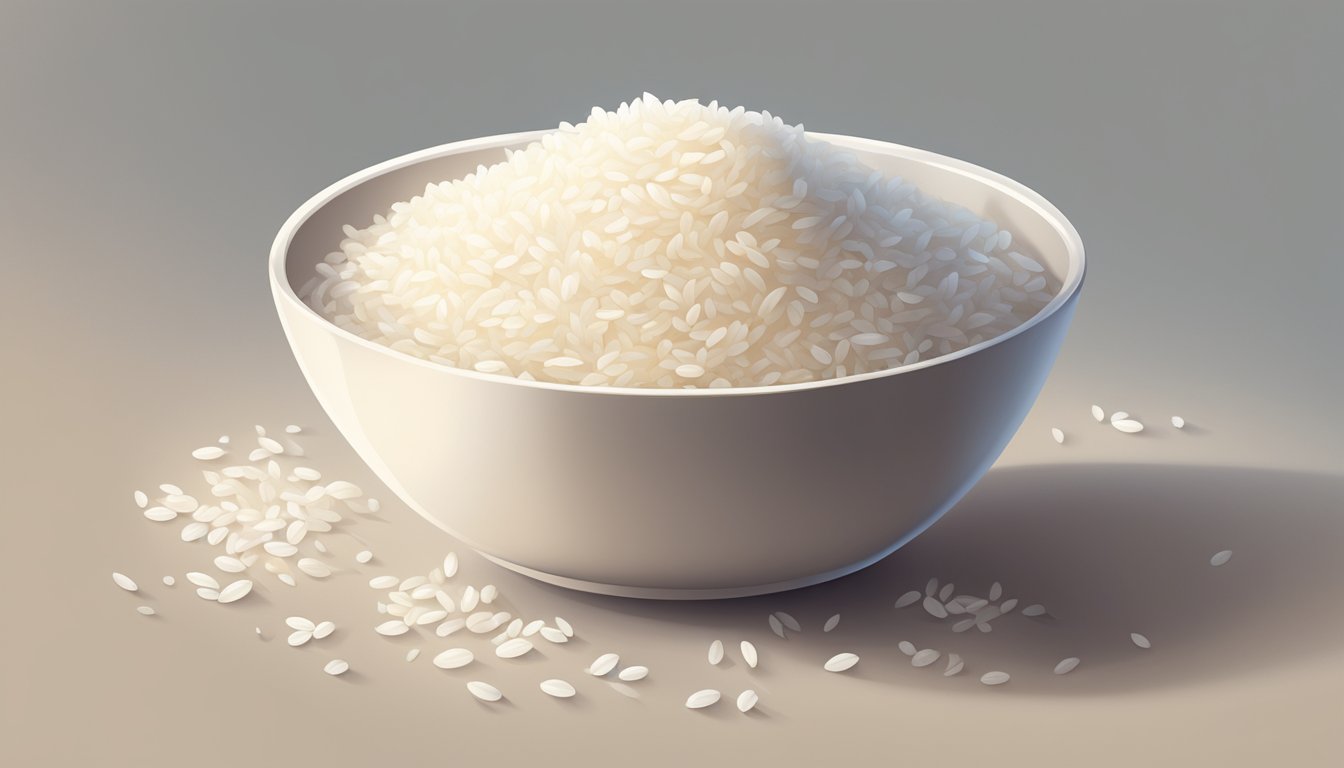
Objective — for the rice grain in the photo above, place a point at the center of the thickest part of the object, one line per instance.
(749, 654)
(620, 224)
(716, 652)
(632, 674)
(485, 691)
(994, 678)
(746, 701)
(841, 662)
(454, 658)
(703, 698)
(557, 688)
(1066, 666)
(603, 664)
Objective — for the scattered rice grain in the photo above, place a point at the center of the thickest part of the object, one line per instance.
(702, 699)
(485, 691)
(557, 688)
(631, 674)
(841, 662)
(454, 658)
(603, 664)
(716, 652)
(746, 701)
(1066, 666)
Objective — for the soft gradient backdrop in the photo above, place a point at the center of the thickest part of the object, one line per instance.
(149, 151)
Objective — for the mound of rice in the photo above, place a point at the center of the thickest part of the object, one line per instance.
(678, 245)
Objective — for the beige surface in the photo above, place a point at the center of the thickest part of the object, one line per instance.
(129, 107)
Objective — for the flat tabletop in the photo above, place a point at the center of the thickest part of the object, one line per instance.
(152, 149)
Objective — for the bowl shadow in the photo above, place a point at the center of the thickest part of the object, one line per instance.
(1108, 549)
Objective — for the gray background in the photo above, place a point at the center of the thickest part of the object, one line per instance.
(151, 149)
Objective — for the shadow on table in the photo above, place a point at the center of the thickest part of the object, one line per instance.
(1108, 550)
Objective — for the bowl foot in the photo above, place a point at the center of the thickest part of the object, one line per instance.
(663, 593)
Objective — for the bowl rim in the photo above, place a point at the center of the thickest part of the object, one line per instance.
(283, 290)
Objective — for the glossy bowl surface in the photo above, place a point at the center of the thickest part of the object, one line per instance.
(676, 494)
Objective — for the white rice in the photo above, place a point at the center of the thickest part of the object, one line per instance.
(454, 658)
(484, 691)
(513, 648)
(994, 678)
(841, 662)
(160, 514)
(935, 608)
(564, 626)
(925, 657)
(749, 654)
(235, 591)
(716, 652)
(1066, 666)
(603, 664)
(557, 688)
(631, 674)
(746, 701)
(1130, 426)
(954, 665)
(677, 245)
(203, 580)
(392, 628)
(909, 598)
(702, 699)
(314, 567)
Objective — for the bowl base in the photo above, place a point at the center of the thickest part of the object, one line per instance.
(663, 593)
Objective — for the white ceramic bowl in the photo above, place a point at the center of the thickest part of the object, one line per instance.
(676, 493)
